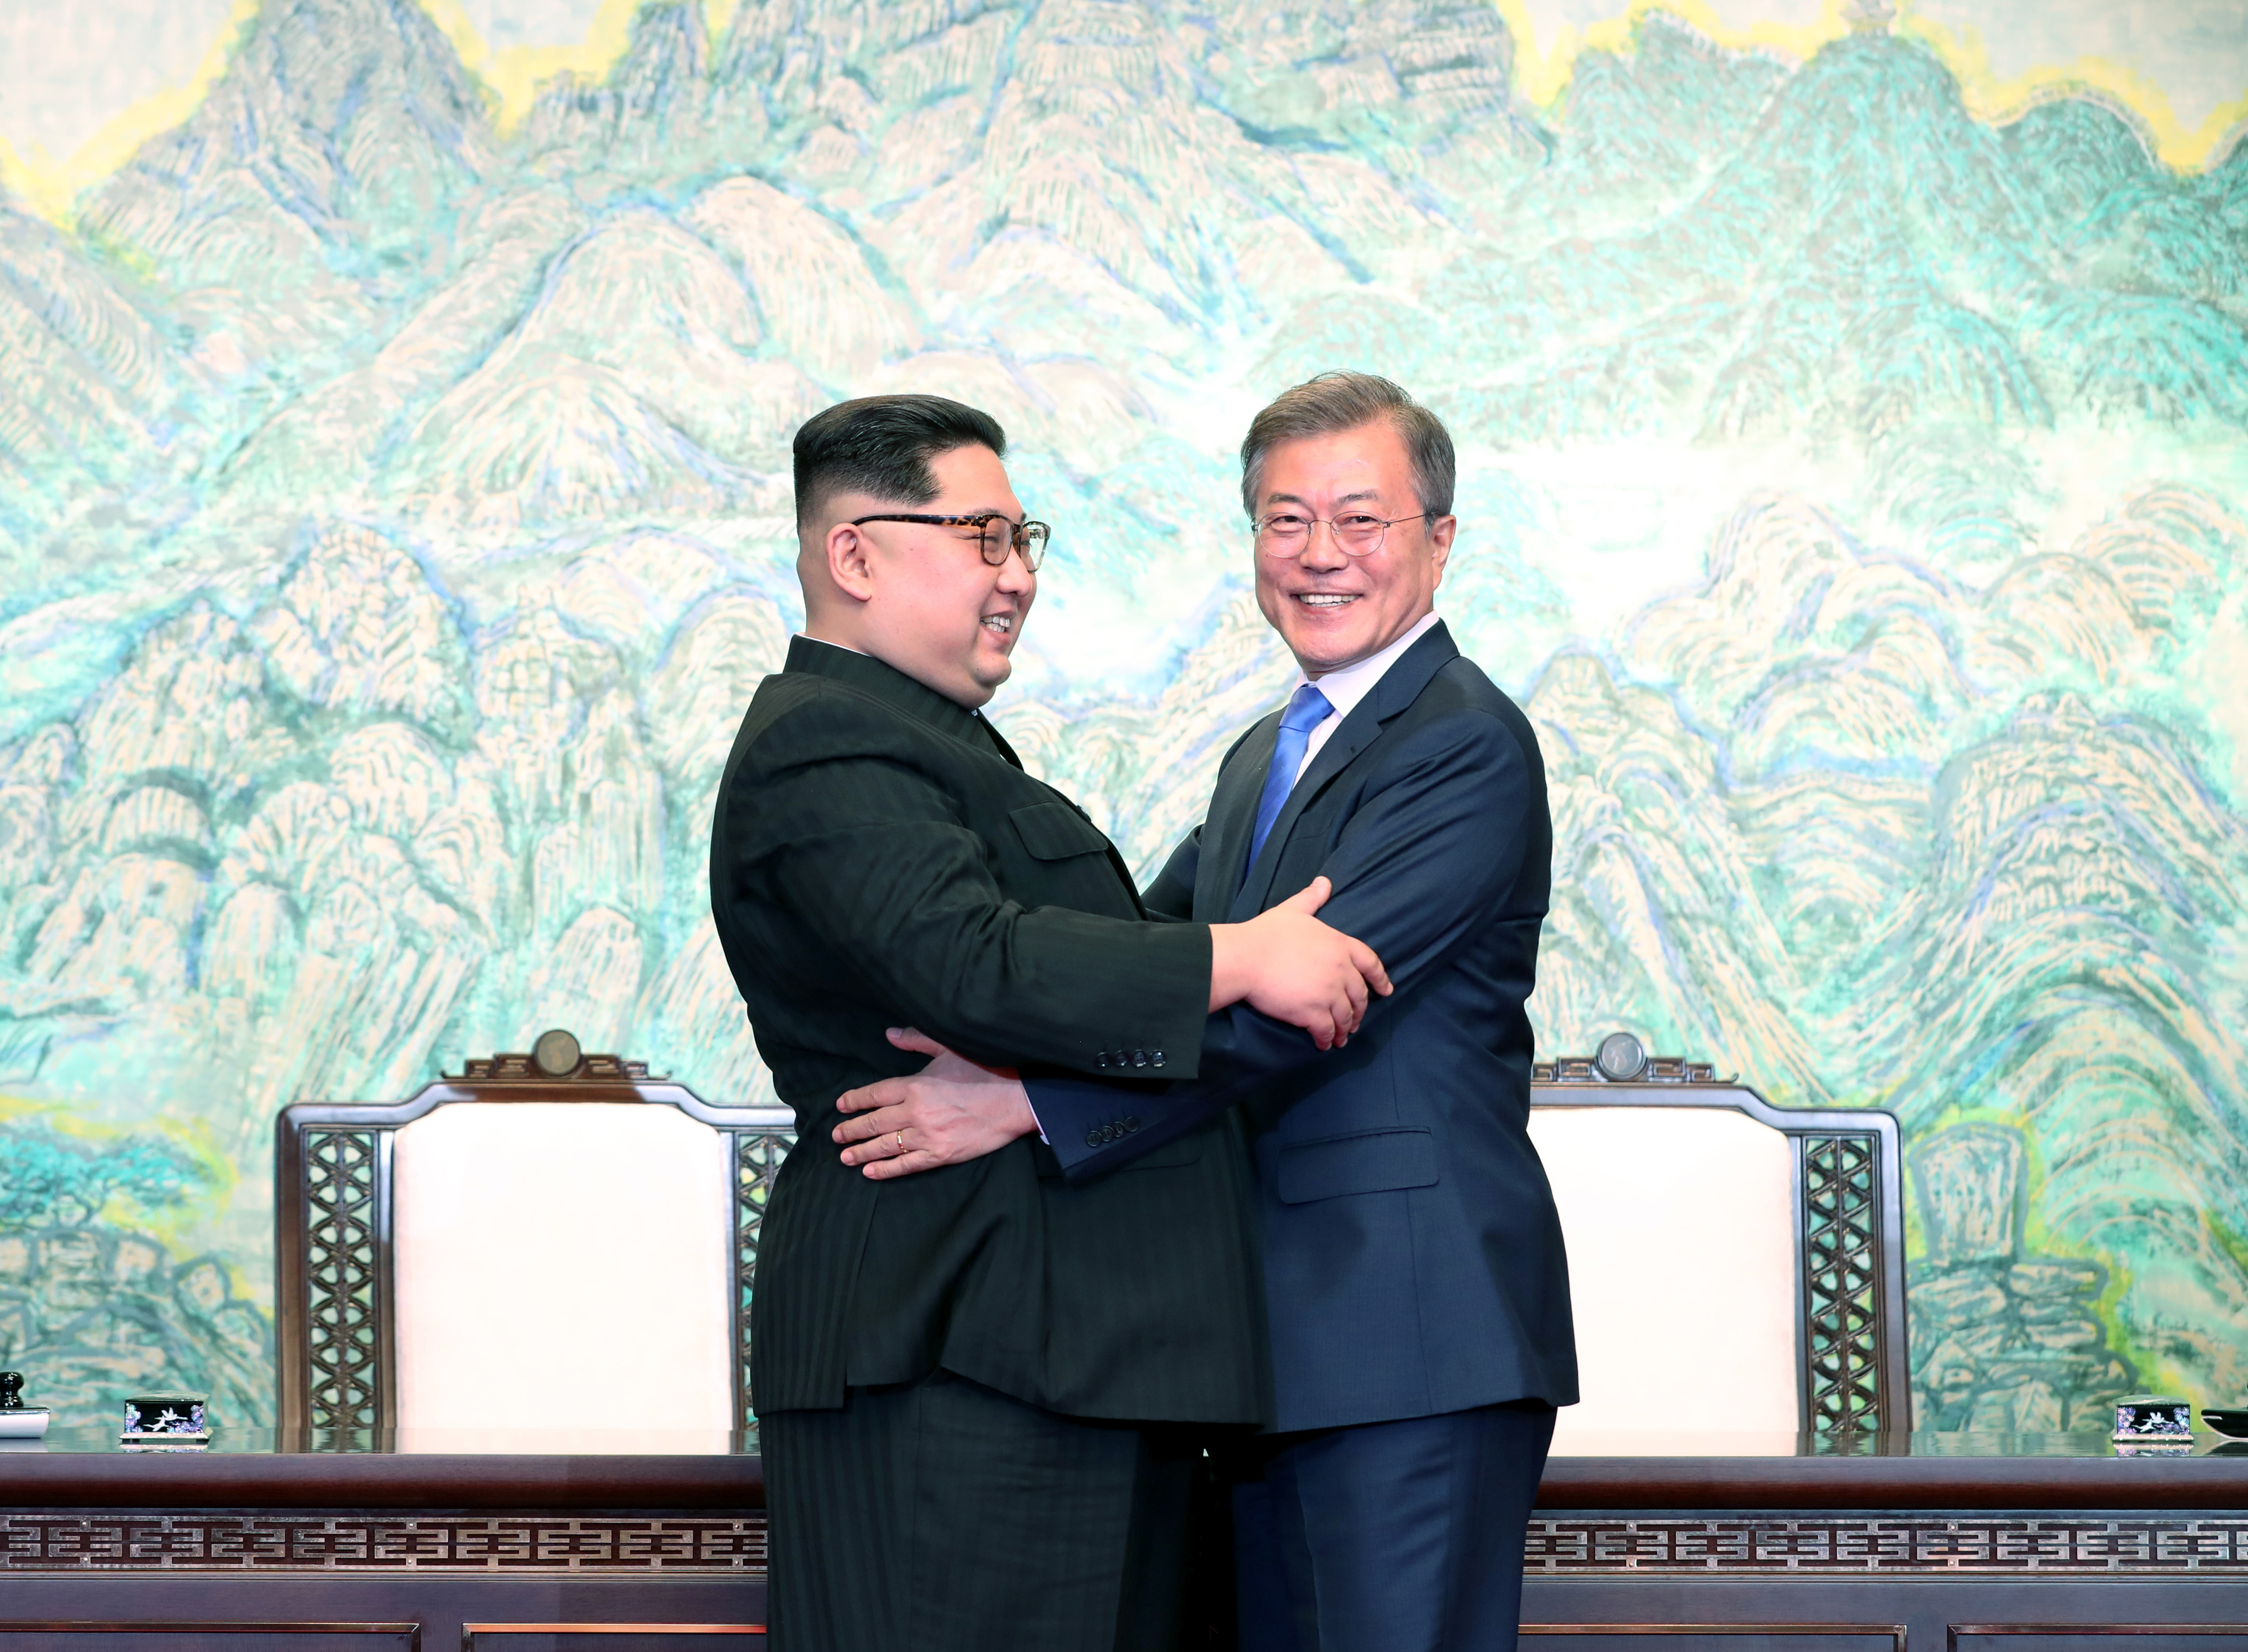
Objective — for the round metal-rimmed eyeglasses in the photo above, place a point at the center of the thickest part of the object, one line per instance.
(996, 536)
(1285, 533)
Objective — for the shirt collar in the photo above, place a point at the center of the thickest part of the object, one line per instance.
(1346, 688)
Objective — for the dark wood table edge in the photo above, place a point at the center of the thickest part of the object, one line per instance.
(1896, 1483)
(381, 1480)
(734, 1484)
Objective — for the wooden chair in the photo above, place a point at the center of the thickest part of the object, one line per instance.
(542, 1236)
(1734, 1266)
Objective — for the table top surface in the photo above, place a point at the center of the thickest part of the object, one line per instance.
(78, 1467)
(2089, 1443)
(83, 1440)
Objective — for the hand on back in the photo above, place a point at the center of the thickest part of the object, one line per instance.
(951, 1111)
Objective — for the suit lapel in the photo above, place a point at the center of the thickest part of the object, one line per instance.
(1400, 686)
(999, 741)
(1232, 818)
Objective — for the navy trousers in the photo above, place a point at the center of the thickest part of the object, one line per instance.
(1389, 1537)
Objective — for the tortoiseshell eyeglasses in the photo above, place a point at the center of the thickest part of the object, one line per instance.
(996, 536)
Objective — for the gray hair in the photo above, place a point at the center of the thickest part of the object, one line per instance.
(1333, 402)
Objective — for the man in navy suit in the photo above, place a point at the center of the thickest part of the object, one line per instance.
(1416, 1291)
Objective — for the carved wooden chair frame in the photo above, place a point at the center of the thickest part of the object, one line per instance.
(1853, 1368)
(336, 1311)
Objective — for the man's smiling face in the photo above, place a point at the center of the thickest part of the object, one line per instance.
(1333, 609)
(934, 608)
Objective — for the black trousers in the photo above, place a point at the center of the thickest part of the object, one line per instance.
(941, 1516)
(1389, 1537)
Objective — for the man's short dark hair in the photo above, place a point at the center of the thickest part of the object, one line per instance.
(882, 445)
(1335, 403)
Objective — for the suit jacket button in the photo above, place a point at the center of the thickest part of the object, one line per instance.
(1093, 1138)
(1139, 1058)
(1154, 1057)
(1131, 1123)
(1101, 1060)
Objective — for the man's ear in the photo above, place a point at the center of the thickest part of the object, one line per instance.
(850, 564)
(1439, 542)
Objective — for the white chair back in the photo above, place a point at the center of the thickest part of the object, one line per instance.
(1735, 1267)
(1682, 1232)
(555, 1255)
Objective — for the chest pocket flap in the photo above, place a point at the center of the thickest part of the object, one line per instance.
(1055, 831)
(1371, 1162)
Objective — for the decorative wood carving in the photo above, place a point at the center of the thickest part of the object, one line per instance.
(757, 1158)
(1920, 1545)
(514, 1068)
(265, 1543)
(343, 1259)
(1661, 1069)
(1843, 1324)
(1904, 1544)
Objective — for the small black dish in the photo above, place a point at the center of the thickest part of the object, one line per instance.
(2232, 1422)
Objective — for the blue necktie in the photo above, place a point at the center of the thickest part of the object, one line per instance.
(1307, 708)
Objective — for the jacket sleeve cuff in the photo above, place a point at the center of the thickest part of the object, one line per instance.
(1094, 1126)
(1151, 1022)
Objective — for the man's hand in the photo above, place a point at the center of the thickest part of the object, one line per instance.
(1293, 967)
(950, 1112)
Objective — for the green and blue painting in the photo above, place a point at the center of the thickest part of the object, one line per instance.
(394, 519)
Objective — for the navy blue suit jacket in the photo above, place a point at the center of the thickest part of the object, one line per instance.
(1413, 1258)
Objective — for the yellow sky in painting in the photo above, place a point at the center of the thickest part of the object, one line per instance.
(82, 88)
(52, 147)
(2182, 70)
(2185, 132)
(514, 70)
(47, 161)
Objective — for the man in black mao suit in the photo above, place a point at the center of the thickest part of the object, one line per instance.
(981, 1390)
(1415, 1286)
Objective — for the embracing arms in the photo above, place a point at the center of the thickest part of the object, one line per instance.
(1435, 848)
(843, 859)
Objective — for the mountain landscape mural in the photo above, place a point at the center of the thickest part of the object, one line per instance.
(396, 519)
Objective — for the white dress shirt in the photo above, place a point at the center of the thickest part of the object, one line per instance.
(1346, 688)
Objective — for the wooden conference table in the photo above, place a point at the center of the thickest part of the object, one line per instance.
(532, 1542)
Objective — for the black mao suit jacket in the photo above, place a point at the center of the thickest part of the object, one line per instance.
(880, 859)
(1412, 1253)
